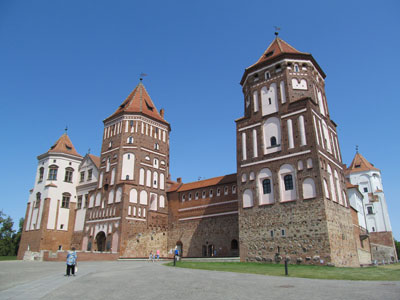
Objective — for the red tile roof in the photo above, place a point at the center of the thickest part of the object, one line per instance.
(139, 101)
(360, 164)
(95, 159)
(64, 145)
(277, 47)
(208, 182)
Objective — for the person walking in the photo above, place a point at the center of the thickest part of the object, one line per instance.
(158, 254)
(71, 262)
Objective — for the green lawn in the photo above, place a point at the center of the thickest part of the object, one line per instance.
(8, 258)
(387, 272)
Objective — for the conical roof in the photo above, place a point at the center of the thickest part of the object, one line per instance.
(360, 164)
(279, 49)
(276, 48)
(64, 145)
(139, 101)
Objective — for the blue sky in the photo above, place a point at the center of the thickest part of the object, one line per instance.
(73, 62)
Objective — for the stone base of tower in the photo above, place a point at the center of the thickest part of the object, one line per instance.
(215, 236)
(299, 231)
(341, 235)
(139, 238)
(382, 247)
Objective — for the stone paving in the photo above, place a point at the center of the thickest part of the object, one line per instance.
(147, 280)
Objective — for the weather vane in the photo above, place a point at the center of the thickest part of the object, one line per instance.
(142, 75)
(66, 128)
(277, 30)
(356, 148)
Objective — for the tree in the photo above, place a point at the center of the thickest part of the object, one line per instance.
(9, 239)
(397, 244)
(17, 236)
(7, 246)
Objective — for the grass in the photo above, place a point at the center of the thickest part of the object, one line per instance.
(379, 273)
(8, 258)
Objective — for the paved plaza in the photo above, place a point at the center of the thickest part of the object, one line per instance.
(146, 280)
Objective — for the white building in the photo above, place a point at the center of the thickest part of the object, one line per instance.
(371, 207)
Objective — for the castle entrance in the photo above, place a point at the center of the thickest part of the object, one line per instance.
(101, 241)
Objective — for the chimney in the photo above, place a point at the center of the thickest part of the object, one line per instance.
(179, 179)
(162, 112)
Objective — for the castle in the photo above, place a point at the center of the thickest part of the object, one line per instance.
(288, 199)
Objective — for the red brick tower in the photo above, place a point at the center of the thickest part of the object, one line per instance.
(290, 175)
(128, 211)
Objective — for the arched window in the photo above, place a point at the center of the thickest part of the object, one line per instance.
(296, 68)
(266, 186)
(69, 172)
(143, 197)
(41, 174)
(118, 195)
(130, 140)
(53, 172)
(287, 176)
(111, 196)
(273, 141)
(247, 198)
(133, 196)
(288, 179)
(37, 203)
(234, 245)
(309, 188)
(65, 200)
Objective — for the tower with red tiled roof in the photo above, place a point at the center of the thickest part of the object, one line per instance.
(50, 213)
(375, 213)
(127, 213)
(291, 188)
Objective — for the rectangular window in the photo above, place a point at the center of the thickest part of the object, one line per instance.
(283, 233)
(365, 190)
(86, 200)
(68, 176)
(53, 174)
(271, 233)
(65, 201)
(82, 176)
(90, 173)
(79, 206)
(369, 210)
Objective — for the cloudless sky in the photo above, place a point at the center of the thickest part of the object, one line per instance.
(74, 62)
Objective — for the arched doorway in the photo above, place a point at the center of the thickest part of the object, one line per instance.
(179, 246)
(101, 241)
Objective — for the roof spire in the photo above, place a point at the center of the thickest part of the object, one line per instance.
(66, 129)
(142, 75)
(356, 148)
(277, 31)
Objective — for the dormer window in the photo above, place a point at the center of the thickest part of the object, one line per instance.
(268, 54)
(148, 106)
(358, 166)
(68, 147)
